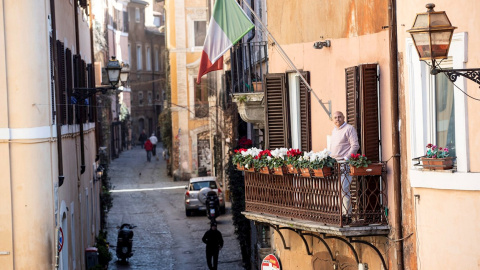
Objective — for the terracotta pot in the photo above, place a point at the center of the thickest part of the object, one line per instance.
(240, 168)
(282, 170)
(264, 170)
(305, 172)
(372, 169)
(251, 169)
(291, 169)
(323, 172)
(437, 163)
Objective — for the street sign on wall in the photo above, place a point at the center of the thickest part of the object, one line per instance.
(270, 262)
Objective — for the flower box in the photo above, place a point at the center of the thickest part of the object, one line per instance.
(291, 169)
(251, 169)
(305, 172)
(323, 172)
(240, 167)
(264, 170)
(280, 170)
(372, 169)
(437, 163)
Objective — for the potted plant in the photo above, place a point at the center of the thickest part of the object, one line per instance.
(291, 160)
(249, 157)
(278, 161)
(238, 159)
(437, 158)
(261, 161)
(361, 165)
(321, 164)
(303, 164)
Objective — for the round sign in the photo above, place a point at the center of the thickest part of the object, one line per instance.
(60, 239)
(270, 262)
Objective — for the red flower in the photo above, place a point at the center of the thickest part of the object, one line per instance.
(429, 145)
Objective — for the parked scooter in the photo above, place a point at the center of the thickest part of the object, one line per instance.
(213, 205)
(124, 242)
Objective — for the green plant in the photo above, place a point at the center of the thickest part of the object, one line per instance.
(242, 99)
(262, 159)
(238, 157)
(434, 151)
(292, 157)
(357, 160)
(104, 254)
(279, 156)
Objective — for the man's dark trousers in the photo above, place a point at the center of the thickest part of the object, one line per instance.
(212, 254)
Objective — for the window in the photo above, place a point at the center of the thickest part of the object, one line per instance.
(156, 21)
(137, 15)
(201, 99)
(157, 67)
(140, 98)
(200, 31)
(129, 53)
(149, 59)
(149, 96)
(438, 113)
(287, 105)
(125, 21)
(139, 57)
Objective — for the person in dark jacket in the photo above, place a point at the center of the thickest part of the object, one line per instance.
(142, 138)
(148, 147)
(214, 240)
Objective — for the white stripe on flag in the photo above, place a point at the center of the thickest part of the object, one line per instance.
(216, 43)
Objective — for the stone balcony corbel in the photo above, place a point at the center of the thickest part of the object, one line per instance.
(251, 108)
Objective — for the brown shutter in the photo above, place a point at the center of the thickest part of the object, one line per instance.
(68, 64)
(76, 82)
(369, 100)
(62, 116)
(305, 114)
(276, 112)
(352, 116)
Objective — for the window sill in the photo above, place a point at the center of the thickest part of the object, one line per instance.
(444, 179)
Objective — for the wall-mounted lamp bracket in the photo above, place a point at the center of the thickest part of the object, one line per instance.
(472, 74)
(321, 44)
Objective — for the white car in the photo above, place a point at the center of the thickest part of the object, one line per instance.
(196, 194)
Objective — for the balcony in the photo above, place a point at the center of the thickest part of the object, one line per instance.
(319, 204)
(249, 63)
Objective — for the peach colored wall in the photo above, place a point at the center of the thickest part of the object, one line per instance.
(447, 226)
(297, 258)
(312, 19)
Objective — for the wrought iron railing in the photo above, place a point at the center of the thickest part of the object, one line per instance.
(362, 201)
(249, 63)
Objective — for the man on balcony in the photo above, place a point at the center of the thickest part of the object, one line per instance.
(343, 143)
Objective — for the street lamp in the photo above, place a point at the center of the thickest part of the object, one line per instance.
(82, 93)
(432, 34)
(124, 74)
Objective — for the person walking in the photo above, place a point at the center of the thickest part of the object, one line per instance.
(148, 147)
(153, 139)
(214, 240)
(142, 138)
(344, 142)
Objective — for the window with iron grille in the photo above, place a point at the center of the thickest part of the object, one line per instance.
(281, 113)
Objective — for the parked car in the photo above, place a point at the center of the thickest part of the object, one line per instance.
(196, 194)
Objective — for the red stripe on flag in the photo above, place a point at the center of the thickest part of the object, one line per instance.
(207, 66)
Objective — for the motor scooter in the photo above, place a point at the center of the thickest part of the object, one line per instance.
(124, 242)
(213, 205)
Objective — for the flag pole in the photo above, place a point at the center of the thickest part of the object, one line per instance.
(289, 62)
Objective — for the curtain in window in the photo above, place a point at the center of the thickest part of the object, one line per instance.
(445, 114)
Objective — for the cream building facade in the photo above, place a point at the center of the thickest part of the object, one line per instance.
(45, 191)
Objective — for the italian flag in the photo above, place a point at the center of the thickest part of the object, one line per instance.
(227, 26)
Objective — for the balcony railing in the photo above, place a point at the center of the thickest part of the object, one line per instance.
(249, 63)
(337, 200)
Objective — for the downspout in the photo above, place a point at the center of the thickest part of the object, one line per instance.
(152, 66)
(61, 178)
(77, 43)
(397, 184)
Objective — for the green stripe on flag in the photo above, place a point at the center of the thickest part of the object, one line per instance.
(231, 19)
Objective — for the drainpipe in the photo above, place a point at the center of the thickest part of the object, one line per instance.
(397, 184)
(61, 178)
(77, 43)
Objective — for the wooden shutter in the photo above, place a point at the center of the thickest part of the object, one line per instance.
(276, 112)
(91, 84)
(76, 82)
(352, 116)
(62, 115)
(369, 100)
(305, 115)
(69, 79)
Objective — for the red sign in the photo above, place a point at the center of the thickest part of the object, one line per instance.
(270, 263)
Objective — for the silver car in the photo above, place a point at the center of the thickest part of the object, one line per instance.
(196, 194)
